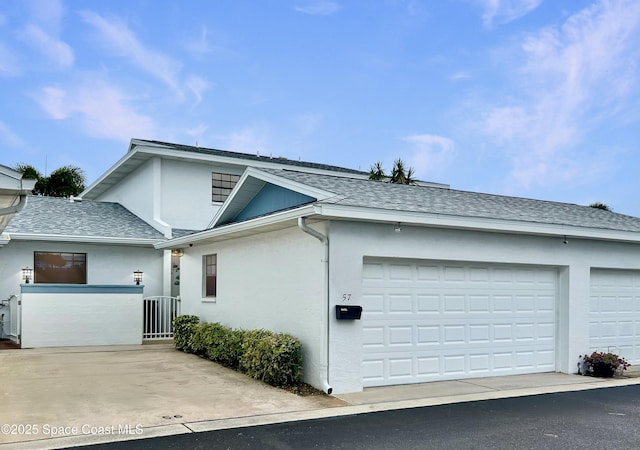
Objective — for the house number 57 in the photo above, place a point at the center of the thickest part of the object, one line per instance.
(346, 297)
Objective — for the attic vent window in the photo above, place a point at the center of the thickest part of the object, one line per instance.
(221, 185)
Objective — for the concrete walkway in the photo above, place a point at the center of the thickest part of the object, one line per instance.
(53, 398)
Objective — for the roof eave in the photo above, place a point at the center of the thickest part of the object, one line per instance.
(81, 239)
(473, 223)
(252, 172)
(273, 221)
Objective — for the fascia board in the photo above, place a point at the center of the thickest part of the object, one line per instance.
(472, 223)
(264, 161)
(87, 193)
(231, 199)
(286, 183)
(82, 239)
(235, 228)
(252, 172)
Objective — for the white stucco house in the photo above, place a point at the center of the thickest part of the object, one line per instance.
(383, 284)
(89, 246)
(452, 284)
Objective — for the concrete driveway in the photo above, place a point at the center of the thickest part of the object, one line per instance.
(126, 391)
(64, 397)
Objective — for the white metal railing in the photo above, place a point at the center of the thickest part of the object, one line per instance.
(159, 312)
(10, 310)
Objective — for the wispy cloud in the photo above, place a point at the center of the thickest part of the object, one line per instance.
(124, 42)
(9, 66)
(197, 86)
(431, 154)
(200, 45)
(461, 75)
(307, 123)
(8, 137)
(567, 72)
(248, 140)
(55, 50)
(48, 14)
(103, 110)
(198, 130)
(505, 11)
(318, 8)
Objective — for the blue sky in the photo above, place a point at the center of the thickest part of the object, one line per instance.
(532, 98)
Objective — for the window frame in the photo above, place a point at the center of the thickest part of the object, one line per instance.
(72, 277)
(221, 185)
(210, 261)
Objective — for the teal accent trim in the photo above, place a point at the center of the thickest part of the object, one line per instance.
(272, 198)
(80, 289)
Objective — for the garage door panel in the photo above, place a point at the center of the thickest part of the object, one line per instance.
(614, 315)
(431, 321)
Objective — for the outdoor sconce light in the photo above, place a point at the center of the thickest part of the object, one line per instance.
(177, 252)
(137, 276)
(27, 274)
(397, 228)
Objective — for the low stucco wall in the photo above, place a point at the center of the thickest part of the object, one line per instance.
(56, 315)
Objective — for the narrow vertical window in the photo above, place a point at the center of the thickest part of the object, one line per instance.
(210, 275)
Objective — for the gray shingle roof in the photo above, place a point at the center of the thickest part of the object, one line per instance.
(433, 200)
(251, 157)
(60, 216)
(179, 232)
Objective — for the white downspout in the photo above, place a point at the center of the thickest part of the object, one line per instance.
(15, 208)
(324, 338)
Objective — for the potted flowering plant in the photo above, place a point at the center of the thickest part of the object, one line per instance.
(601, 364)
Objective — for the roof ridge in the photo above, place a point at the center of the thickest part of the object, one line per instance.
(255, 157)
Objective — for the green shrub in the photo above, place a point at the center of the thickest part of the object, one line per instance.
(229, 350)
(202, 337)
(274, 358)
(218, 343)
(183, 327)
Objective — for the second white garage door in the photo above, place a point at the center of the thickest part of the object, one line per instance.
(614, 316)
(426, 321)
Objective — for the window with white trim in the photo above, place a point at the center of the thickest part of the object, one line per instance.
(210, 272)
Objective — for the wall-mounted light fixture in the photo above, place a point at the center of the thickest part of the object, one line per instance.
(27, 274)
(177, 252)
(137, 276)
(566, 241)
(397, 228)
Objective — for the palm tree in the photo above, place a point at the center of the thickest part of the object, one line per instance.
(31, 173)
(600, 205)
(376, 172)
(63, 182)
(399, 174)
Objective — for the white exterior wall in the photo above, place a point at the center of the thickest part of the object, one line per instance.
(106, 264)
(140, 193)
(274, 280)
(169, 193)
(72, 319)
(350, 242)
(186, 193)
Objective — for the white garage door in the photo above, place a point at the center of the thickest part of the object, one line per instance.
(614, 317)
(425, 321)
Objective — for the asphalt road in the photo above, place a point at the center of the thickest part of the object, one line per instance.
(594, 419)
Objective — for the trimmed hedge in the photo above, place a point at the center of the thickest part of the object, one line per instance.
(275, 358)
(183, 327)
